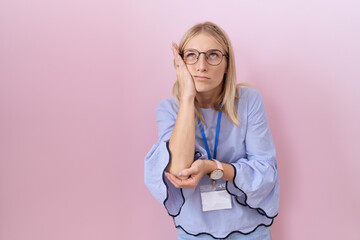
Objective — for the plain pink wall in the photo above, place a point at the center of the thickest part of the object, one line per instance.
(80, 81)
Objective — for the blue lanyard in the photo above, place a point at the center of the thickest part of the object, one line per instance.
(216, 136)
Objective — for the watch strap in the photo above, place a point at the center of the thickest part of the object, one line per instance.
(219, 165)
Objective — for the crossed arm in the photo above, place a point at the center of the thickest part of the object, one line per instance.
(190, 177)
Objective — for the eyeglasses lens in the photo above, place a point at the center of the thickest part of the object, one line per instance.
(191, 56)
(214, 57)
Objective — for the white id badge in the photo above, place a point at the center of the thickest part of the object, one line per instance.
(215, 198)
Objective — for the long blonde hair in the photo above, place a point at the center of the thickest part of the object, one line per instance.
(229, 93)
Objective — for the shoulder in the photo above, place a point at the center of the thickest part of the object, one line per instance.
(168, 107)
(168, 104)
(249, 96)
(251, 104)
(248, 93)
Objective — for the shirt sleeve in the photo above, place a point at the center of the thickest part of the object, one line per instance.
(158, 159)
(256, 181)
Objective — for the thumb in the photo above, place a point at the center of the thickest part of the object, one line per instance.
(187, 172)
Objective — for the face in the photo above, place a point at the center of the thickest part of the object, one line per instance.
(207, 78)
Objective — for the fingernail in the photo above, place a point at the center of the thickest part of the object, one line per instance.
(179, 174)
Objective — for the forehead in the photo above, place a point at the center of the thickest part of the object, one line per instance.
(203, 42)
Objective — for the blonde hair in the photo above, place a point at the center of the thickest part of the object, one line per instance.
(228, 97)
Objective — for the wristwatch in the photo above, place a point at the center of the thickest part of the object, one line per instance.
(217, 173)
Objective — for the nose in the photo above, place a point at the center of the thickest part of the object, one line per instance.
(202, 65)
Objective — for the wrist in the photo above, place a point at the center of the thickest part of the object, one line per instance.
(187, 99)
(210, 166)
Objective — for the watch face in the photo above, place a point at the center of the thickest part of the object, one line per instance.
(217, 174)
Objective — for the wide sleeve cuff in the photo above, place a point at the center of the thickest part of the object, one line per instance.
(156, 163)
(256, 186)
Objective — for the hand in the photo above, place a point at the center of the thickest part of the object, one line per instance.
(190, 177)
(187, 88)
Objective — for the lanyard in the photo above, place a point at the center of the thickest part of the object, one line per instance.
(216, 136)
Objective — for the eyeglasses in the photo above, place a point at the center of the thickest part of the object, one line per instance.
(212, 56)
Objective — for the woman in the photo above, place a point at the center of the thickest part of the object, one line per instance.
(214, 167)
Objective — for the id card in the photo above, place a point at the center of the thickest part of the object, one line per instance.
(215, 198)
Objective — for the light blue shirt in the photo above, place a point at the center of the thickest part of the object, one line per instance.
(249, 148)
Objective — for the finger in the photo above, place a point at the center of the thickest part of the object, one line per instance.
(178, 60)
(179, 176)
(188, 171)
(173, 176)
(171, 179)
(177, 182)
(187, 183)
(175, 46)
(175, 50)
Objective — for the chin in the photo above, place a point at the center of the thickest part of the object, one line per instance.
(200, 89)
(204, 88)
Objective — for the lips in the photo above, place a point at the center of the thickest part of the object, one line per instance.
(201, 77)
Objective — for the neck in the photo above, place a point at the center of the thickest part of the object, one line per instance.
(207, 99)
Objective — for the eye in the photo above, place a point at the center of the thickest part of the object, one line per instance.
(190, 55)
(214, 54)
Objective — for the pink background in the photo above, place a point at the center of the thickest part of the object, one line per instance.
(80, 81)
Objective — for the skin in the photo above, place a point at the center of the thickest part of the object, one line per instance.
(183, 172)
